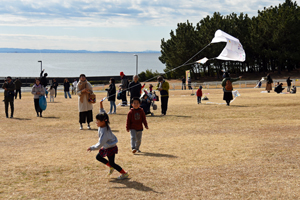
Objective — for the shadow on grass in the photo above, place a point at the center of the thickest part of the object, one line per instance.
(92, 129)
(54, 102)
(116, 131)
(132, 184)
(51, 117)
(182, 116)
(155, 155)
(17, 118)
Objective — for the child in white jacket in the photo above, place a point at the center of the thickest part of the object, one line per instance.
(108, 142)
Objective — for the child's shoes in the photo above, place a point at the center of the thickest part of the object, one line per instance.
(111, 170)
(123, 176)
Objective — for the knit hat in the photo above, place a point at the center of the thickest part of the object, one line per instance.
(122, 74)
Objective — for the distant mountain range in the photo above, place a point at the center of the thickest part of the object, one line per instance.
(16, 50)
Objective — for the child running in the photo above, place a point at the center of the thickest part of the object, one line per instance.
(108, 142)
(135, 119)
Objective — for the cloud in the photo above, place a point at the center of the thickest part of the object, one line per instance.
(114, 13)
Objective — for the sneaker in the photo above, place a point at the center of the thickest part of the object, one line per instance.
(111, 170)
(123, 176)
(114, 113)
(88, 127)
(80, 128)
(11, 116)
(133, 151)
(109, 113)
(138, 151)
(37, 115)
(41, 115)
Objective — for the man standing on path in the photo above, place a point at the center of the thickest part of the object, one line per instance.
(55, 85)
(18, 85)
(135, 88)
(183, 83)
(9, 88)
(124, 83)
(163, 87)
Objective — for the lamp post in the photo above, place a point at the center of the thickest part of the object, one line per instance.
(136, 70)
(41, 65)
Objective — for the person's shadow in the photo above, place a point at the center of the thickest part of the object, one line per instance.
(160, 155)
(132, 184)
(18, 118)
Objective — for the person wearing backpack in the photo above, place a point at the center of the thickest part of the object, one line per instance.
(227, 87)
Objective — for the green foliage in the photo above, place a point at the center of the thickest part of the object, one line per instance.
(271, 42)
(148, 75)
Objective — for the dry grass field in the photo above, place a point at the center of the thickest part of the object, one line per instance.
(250, 150)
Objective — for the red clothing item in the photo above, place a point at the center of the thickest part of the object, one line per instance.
(135, 119)
(199, 93)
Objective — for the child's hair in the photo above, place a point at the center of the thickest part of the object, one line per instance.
(112, 80)
(135, 99)
(103, 117)
(37, 79)
(200, 87)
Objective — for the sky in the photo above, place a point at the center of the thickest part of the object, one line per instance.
(106, 25)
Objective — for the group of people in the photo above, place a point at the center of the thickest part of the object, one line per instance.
(279, 86)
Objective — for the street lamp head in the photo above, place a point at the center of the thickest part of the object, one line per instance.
(39, 61)
(135, 55)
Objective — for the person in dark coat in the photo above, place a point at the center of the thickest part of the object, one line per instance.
(67, 88)
(18, 85)
(278, 89)
(190, 83)
(135, 88)
(183, 83)
(9, 88)
(227, 87)
(111, 94)
(124, 83)
(55, 85)
(289, 84)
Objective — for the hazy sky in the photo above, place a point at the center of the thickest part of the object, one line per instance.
(114, 25)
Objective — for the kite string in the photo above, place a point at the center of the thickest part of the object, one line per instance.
(184, 64)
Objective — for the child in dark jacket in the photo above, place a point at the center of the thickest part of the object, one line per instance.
(199, 94)
(135, 119)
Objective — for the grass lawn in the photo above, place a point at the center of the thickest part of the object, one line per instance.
(250, 150)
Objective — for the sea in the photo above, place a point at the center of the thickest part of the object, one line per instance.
(74, 64)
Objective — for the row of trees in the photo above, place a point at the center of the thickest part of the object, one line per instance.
(271, 41)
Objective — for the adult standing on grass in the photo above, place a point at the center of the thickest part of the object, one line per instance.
(124, 83)
(18, 85)
(111, 94)
(9, 88)
(183, 83)
(55, 85)
(135, 88)
(37, 91)
(269, 83)
(163, 87)
(227, 87)
(84, 89)
(289, 84)
(67, 88)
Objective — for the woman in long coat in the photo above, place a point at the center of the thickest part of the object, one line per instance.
(227, 87)
(84, 89)
(269, 83)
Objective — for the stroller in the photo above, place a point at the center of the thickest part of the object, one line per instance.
(147, 100)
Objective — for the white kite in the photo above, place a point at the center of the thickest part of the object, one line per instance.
(233, 50)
